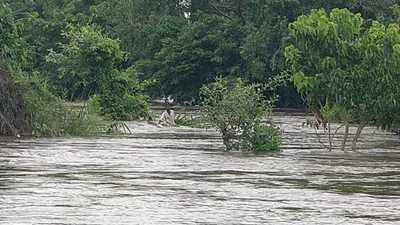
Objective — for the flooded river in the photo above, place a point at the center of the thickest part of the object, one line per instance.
(181, 176)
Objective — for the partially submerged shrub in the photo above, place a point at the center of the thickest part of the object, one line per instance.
(125, 107)
(236, 110)
(83, 122)
(120, 100)
(265, 138)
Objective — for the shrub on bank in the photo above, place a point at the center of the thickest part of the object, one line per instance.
(50, 117)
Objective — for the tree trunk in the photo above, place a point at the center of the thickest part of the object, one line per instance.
(226, 140)
(329, 136)
(357, 135)
(346, 135)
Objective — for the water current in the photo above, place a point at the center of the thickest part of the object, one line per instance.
(182, 176)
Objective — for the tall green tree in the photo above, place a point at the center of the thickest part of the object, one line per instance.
(265, 23)
(42, 23)
(13, 59)
(143, 26)
(13, 49)
(86, 61)
(89, 64)
(207, 48)
(349, 73)
(140, 24)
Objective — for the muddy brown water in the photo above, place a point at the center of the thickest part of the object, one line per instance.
(181, 176)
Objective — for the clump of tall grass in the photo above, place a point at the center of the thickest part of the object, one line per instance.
(50, 116)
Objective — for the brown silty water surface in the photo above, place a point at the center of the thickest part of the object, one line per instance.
(182, 176)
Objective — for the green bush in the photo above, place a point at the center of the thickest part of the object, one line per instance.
(236, 111)
(119, 102)
(265, 138)
(83, 122)
(193, 122)
(46, 110)
(93, 104)
(126, 107)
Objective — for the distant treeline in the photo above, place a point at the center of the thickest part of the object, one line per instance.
(175, 45)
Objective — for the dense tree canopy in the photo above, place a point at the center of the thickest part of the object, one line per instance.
(346, 68)
(13, 52)
(205, 49)
(86, 61)
(140, 24)
(13, 115)
(172, 40)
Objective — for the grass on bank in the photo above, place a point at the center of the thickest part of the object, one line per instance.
(50, 116)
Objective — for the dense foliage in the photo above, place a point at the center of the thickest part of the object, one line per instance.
(183, 44)
(346, 68)
(87, 47)
(49, 116)
(27, 105)
(90, 64)
(209, 47)
(13, 51)
(86, 62)
(120, 98)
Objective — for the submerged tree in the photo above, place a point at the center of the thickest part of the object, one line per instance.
(237, 111)
(347, 72)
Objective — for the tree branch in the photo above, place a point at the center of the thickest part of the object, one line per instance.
(219, 11)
